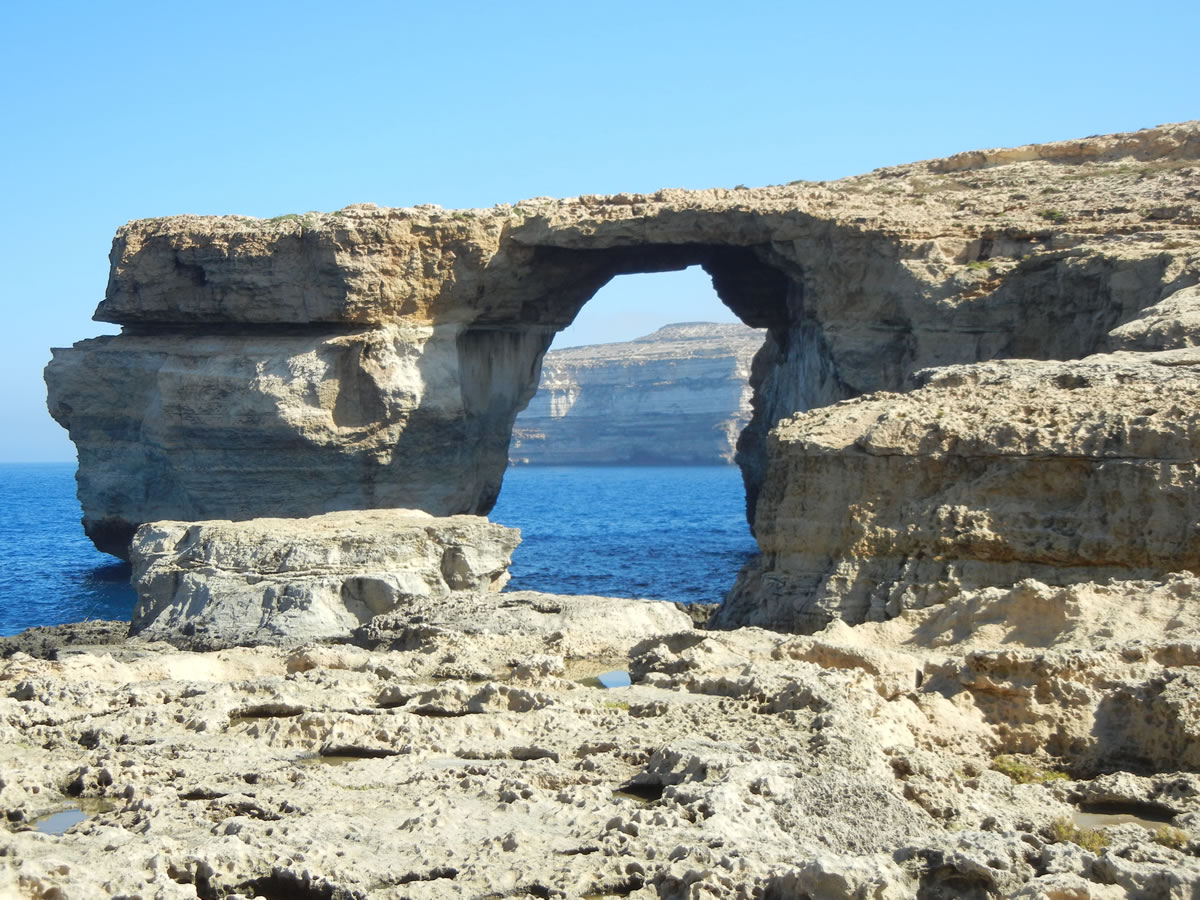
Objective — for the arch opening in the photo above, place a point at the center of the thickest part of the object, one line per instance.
(621, 472)
(762, 288)
(653, 370)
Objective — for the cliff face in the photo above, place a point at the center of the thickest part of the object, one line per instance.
(680, 395)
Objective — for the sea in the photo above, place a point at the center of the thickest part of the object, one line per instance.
(660, 532)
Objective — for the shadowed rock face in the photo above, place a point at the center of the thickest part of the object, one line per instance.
(377, 357)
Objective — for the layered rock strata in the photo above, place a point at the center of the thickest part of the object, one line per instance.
(385, 352)
(984, 475)
(679, 396)
(1029, 742)
(214, 584)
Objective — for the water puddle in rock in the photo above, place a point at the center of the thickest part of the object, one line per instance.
(331, 760)
(59, 822)
(1100, 820)
(1099, 815)
(617, 678)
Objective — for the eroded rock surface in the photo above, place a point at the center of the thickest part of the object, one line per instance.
(985, 475)
(216, 584)
(680, 395)
(953, 751)
(385, 352)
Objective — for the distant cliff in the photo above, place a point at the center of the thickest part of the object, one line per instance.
(679, 395)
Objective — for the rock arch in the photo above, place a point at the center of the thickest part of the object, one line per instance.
(252, 353)
(759, 287)
(377, 357)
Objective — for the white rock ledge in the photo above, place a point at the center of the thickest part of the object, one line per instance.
(219, 583)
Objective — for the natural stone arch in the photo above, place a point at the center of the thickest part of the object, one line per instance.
(297, 369)
(376, 357)
(756, 287)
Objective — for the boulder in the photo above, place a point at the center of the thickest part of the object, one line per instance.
(288, 581)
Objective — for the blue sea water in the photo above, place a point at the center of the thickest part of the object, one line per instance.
(665, 533)
(659, 532)
(49, 572)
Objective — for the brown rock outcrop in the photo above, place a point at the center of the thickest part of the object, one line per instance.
(985, 475)
(384, 353)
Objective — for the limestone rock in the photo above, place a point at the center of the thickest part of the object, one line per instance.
(385, 353)
(527, 623)
(468, 760)
(1092, 674)
(1170, 324)
(1001, 534)
(239, 426)
(287, 581)
(985, 475)
(680, 395)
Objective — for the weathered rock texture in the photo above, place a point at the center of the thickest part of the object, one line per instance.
(951, 752)
(680, 395)
(214, 584)
(987, 474)
(384, 353)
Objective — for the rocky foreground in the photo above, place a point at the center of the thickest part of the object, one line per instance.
(966, 750)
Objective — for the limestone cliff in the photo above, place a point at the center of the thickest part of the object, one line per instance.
(680, 395)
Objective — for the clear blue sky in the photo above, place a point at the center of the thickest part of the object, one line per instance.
(117, 111)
